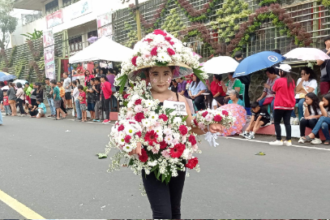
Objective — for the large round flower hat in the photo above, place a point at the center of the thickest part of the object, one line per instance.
(160, 48)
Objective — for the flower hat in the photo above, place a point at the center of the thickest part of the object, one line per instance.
(160, 48)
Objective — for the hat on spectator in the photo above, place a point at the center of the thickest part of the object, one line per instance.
(284, 67)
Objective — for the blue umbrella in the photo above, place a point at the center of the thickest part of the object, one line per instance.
(258, 62)
(6, 76)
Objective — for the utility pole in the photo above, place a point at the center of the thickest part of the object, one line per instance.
(138, 22)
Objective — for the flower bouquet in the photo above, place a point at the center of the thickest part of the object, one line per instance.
(207, 117)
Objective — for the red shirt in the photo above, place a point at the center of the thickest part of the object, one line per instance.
(284, 96)
(106, 89)
(217, 88)
(5, 100)
(83, 96)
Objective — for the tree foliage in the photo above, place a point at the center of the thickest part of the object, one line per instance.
(8, 23)
(33, 36)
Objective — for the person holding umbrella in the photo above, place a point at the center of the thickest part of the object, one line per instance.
(246, 80)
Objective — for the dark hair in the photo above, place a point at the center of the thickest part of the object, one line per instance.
(39, 100)
(53, 82)
(310, 72)
(97, 79)
(86, 72)
(195, 83)
(232, 74)
(326, 39)
(47, 79)
(315, 103)
(19, 85)
(288, 77)
(327, 97)
(255, 104)
(104, 77)
(92, 80)
(78, 80)
(2, 84)
(218, 77)
(81, 87)
(65, 73)
(271, 70)
(74, 83)
(238, 54)
(62, 80)
(277, 51)
(27, 83)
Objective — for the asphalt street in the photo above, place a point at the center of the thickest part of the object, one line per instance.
(57, 175)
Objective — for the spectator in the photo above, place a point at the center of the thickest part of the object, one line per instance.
(49, 95)
(75, 95)
(311, 116)
(97, 72)
(182, 90)
(91, 99)
(246, 80)
(174, 86)
(233, 84)
(78, 82)
(234, 98)
(284, 104)
(268, 95)
(6, 104)
(41, 109)
(88, 77)
(325, 69)
(97, 92)
(106, 93)
(217, 91)
(57, 99)
(67, 86)
(82, 99)
(196, 89)
(306, 84)
(20, 98)
(189, 81)
(34, 94)
(12, 98)
(33, 110)
(260, 117)
(62, 95)
(39, 92)
(111, 79)
(1, 96)
(28, 91)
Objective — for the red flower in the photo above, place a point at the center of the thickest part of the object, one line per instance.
(157, 32)
(121, 128)
(138, 102)
(139, 133)
(217, 118)
(139, 116)
(144, 156)
(170, 51)
(151, 137)
(177, 150)
(195, 122)
(192, 163)
(172, 43)
(127, 139)
(126, 96)
(154, 51)
(192, 140)
(134, 60)
(225, 113)
(164, 117)
(163, 145)
(183, 130)
(168, 39)
(148, 40)
(204, 114)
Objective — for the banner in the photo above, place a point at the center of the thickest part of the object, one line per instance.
(105, 31)
(81, 8)
(54, 19)
(104, 19)
(48, 38)
(50, 71)
(49, 54)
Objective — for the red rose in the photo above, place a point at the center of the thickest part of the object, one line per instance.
(168, 39)
(121, 128)
(151, 137)
(192, 139)
(139, 133)
(195, 122)
(148, 40)
(163, 145)
(192, 163)
(183, 130)
(225, 113)
(134, 60)
(144, 156)
(177, 150)
(204, 114)
(154, 51)
(160, 32)
(170, 51)
(138, 102)
(172, 43)
(139, 116)
(126, 96)
(217, 118)
(164, 117)
(127, 139)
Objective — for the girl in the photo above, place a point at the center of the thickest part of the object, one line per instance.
(12, 98)
(106, 95)
(20, 98)
(323, 123)
(196, 89)
(284, 104)
(83, 104)
(88, 77)
(311, 116)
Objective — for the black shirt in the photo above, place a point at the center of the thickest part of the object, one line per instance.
(263, 111)
(326, 64)
(97, 94)
(174, 89)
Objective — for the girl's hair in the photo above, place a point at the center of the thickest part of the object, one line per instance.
(327, 97)
(74, 83)
(195, 83)
(315, 102)
(288, 77)
(19, 85)
(104, 77)
(86, 72)
(77, 80)
(81, 87)
(310, 72)
(97, 79)
(218, 77)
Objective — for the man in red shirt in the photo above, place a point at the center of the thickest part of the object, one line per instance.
(217, 91)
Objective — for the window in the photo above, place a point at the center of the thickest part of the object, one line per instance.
(52, 7)
(66, 3)
(76, 44)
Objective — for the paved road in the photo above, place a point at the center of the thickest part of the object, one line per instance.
(57, 175)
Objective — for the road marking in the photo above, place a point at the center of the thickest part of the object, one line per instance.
(19, 207)
(267, 142)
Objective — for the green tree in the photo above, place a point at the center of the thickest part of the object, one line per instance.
(8, 23)
(33, 36)
(173, 23)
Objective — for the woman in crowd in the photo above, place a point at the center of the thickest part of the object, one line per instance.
(217, 91)
(20, 98)
(323, 123)
(311, 116)
(234, 98)
(40, 92)
(111, 79)
(106, 94)
(174, 86)
(88, 77)
(12, 98)
(306, 84)
(284, 104)
(34, 94)
(196, 89)
(232, 84)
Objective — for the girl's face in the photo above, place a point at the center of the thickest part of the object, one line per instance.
(214, 79)
(160, 78)
(326, 103)
(102, 80)
(194, 78)
(308, 100)
(87, 73)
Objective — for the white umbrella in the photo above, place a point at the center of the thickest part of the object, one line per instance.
(307, 54)
(220, 65)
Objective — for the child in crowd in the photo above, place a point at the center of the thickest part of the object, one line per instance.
(57, 100)
(82, 99)
(33, 110)
(75, 94)
(41, 109)
(311, 116)
(6, 104)
(91, 99)
(260, 117)
(62, 95)
(97, 91)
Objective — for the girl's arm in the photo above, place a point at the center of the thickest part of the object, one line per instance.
(307, 113)
(203, 91)
(300, 86)
(323, 110)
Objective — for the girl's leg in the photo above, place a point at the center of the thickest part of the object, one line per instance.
(277, 121)
(325, 130)
(176, 187)
(301, 108)
(58, 113)
(303, 124)
(286, 119)
(317, 127)
(311, 124)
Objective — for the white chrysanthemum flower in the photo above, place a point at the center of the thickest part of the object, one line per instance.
(153, 163)
(146, 123)
(129, 130)
(128, 148)
(153, 116)
(177, 120)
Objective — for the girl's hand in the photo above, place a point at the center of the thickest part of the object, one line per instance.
(215, 128)
(137, 150)
(321, 104)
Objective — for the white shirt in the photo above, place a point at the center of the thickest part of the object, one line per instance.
(306, 84)
(75, 93)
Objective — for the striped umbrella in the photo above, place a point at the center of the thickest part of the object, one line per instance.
(6, 76)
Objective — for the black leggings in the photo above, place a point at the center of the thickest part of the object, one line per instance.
(165, 199)
(62, 106)
(199, 102)
(106, 107)
(278, 115)
(307, 123)
(20, 105)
